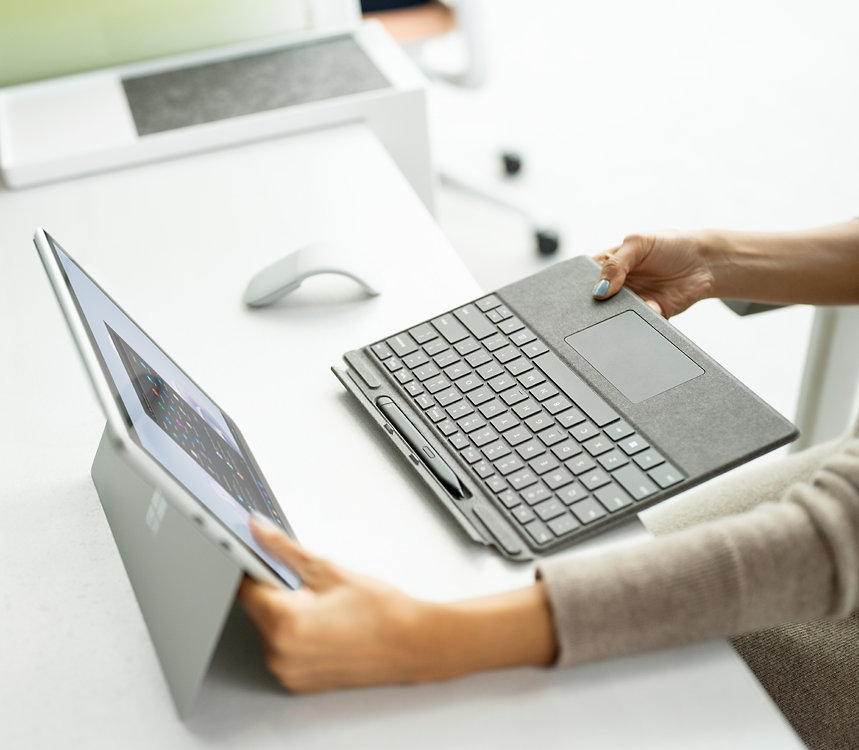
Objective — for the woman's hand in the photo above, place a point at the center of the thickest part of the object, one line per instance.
(669, 271)
(342, 629)
(339, 630)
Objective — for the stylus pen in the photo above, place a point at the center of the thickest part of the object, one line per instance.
(418, 443)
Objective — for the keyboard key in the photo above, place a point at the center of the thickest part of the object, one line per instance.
(612, 497)
(507, 354)
(467, 346)
(423, 333)
(381, 350)
(478, 358)
(434, 385)
(492, 408)
(475, 321)
(517, 435)
(581, 394)
(508, 465)
(648, 459)
(496, 450)
(532, 378)
(518, 366)
(468, 383)
(594, 478)
(612, 460)
(558, 478)
(488, 303)
(511, 325)
(425, 401)
(471, 423)
(543, 463)
(549, 509)
(544, 391)
(393, 364)
(459, 410)
(436, 346)
(571, 417)
(403, 376)
(435, 414)
(598, 445)
(415, 359)
(513, 396)
(619, 430)
(509, 498)
(457, 370)
(530, 449)
(495, 342)
(504, 312)
(483, 469)
(449, 327)
(526, 409)
(584, 431)
(665, 475)
(491, 370)
(522, 337)
(484, 436)
(534, 494)
(538, 532)
(447, 427)
(634, 481)
(633, 444)
(402, 344)
(563, 525)
(572, 493)
(539, 422)
(566, 450)
(480, 395)
(426, 372)
(459, 441)
(504, 422)
(521, 479)
(535, 349)
(523, 514)
(496, 484)
(448, 397)
(471, 454)
(580, 464)
(502, 383)
(552, 436)
(557, 404)
(414, 388)
(588, 510)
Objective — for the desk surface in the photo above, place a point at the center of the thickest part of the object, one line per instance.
(175, 243)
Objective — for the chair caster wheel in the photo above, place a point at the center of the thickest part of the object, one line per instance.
(512, 163)
(547, 242)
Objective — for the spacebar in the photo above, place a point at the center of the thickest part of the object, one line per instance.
(576, 388)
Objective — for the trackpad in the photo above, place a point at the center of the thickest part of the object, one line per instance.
(633, 356)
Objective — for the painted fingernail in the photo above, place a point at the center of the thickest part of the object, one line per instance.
(601, 288)
(260, 517)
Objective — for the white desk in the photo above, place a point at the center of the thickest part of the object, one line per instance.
(175, 244)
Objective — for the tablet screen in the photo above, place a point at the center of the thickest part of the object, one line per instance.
(172, 419)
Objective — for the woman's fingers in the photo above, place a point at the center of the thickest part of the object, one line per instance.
(314, 571)
(617, 264)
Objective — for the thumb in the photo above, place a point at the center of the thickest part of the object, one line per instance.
(315, 572)
(617, 263)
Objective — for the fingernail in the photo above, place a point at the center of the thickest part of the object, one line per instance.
(601, 288)
(261, 518)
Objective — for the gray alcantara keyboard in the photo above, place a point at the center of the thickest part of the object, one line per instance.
(556, 456)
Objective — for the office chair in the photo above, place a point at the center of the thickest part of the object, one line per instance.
(415, 24)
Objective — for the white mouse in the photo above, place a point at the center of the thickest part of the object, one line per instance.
(285, 275)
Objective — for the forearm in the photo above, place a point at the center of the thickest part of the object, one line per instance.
(510, 629)
(815, 266)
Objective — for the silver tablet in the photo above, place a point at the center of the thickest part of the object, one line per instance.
(163, 423)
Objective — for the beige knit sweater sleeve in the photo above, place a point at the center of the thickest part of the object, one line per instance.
(793, 559)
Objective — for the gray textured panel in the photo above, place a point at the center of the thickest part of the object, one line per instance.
(254, 83)
(706, 425)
